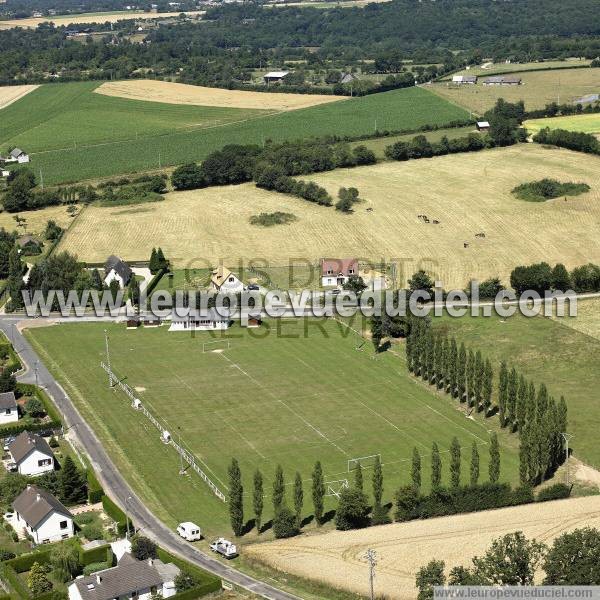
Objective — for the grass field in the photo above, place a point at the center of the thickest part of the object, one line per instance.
(584, 123)
(537, 89)
(468, 193)
(43, 120)
(181, 93)
(291, 396)
(552, 352)
(520, 67)
(12, 93)
(98, 17)
(337, 558)
(116, 136)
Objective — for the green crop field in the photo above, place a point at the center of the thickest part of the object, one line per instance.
(549, 351)
(74, 134)
(583, 123)
(291, 396)
(69, 116)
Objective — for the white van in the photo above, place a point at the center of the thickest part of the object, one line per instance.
(189, 531)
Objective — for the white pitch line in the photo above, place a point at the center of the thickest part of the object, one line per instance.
(297, 414)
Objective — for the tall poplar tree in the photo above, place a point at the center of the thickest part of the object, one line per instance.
(503, 393)
(416, 469)
(236, 498)
(494, 465)
(278, 490)
(298, 499)
(474, 471)
(258, 499)
(436, 467)
(488, 386)
(318, 492)
(455, 463)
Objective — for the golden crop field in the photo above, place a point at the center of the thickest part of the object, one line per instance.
(338, 558)
(468, 194)
(537, 89)
(12, 93)
(110, 17)
(588, 123)
(36, 219)
(181, 93)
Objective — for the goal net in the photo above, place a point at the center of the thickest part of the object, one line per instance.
(365, 461)
(334, 488)
(216, 346)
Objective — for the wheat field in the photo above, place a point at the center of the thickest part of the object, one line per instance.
(12, 93)
(467, 193)
(338, 558)
(110, 17)
(181, 93)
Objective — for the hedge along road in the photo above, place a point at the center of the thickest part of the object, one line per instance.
(112, 481)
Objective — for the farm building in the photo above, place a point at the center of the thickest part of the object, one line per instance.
(200, 320)
(337, 271)
(17, 155)
(40, 515)
(588, 99)
(9, 411)
(224, 281)
(31, 454)
(131, 578)
(502, 80)
(28, 245)
(460, 79)
(482, 125)
(116, 269)
(275, 76)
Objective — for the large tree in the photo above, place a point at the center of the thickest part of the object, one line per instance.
(455, 462)
(258, 499)
(236, 498)
(494, 464)
(318, 492)
(574, 559)
(436, 467)
(298, 498)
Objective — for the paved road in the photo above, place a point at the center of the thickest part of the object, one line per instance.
(112, 481)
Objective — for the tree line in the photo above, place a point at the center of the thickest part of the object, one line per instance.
(573, 140)
(541, 277)
(468, 377)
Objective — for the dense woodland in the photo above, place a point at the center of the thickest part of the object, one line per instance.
(234, 40)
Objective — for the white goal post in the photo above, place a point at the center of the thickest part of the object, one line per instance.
(334, 488)
(216, 345)
(365, 461)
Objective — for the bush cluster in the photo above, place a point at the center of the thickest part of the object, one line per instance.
(420, 147)
(573, 140)
(546, 189)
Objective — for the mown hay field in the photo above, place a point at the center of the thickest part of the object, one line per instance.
(12, 93)
(36, 220)
(468, 194)
(338, 558)
(537, 89)
(116, 136)
(108, 17)
(290, 393)
(584, 123)
(181, 93)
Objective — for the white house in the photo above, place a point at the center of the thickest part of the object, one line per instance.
(9, 411)
(224, 281)
(131, 578)
(199, 320)
(337, 271)
(32, 454)
(40, 515)
(116, 269)
(17, 155)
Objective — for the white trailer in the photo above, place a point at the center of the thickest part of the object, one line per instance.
(224, 548)
(189, 531)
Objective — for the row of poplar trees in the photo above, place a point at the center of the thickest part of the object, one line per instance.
(469, 377)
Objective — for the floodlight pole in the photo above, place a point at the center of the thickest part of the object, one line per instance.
(110, 378)
(371, 557)
(566, 437)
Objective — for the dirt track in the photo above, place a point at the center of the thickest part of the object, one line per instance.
(181, 93)
(337, 558)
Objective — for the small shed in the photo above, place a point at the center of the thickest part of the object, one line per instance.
(275, 76)
(483, 125)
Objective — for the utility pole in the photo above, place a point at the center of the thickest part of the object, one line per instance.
(35, 370)
(181, 469)
(110, 377)
(371, 557)
(127, 517)
(567, 437)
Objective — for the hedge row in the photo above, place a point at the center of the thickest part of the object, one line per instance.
(10, 570)
(204, 577)
(154, 282)
(95, 555)
(558, 491)
(95, 491)
(14, 363)
(116, 514)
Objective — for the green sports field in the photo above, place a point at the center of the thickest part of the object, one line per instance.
(74, 134)
(293, 396)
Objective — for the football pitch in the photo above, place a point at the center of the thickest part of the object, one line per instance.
(290, 394)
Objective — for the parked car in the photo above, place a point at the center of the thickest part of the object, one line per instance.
(253, 287)
(224, 548)
(189, 531)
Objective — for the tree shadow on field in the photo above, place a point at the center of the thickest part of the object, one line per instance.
(266, 526)
(307, 521)
(327, 517)
(249, 526)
